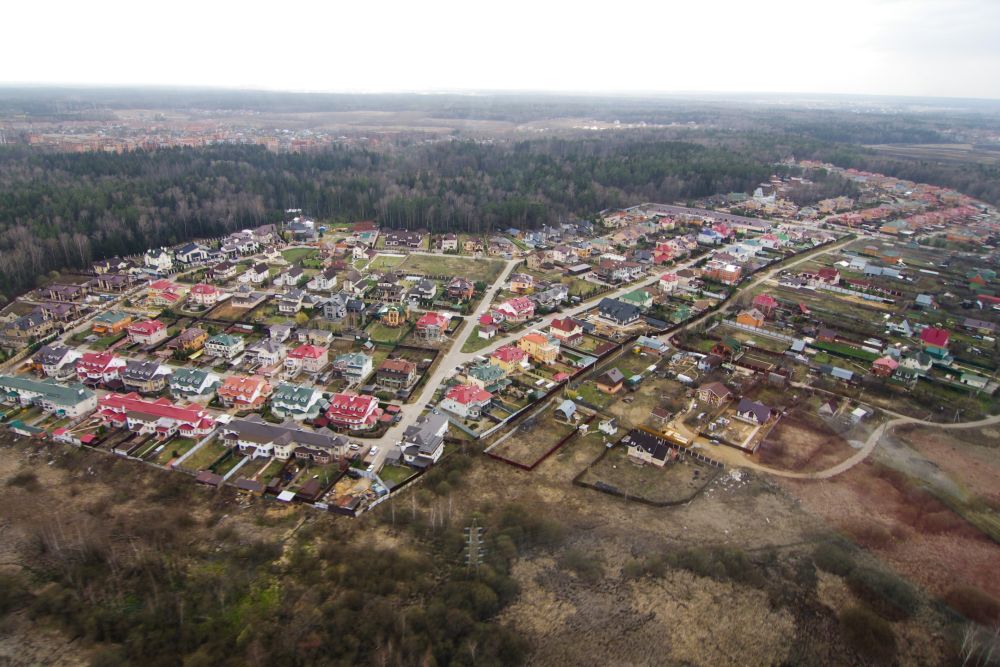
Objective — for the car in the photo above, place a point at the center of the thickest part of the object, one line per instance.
(374, 450)
(355, 447)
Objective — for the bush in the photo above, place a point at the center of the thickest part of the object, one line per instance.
(24, 480)
(888, 594)
(869, 635)
(719, 563)
(587, 567)
(833, 559)
(975, 604)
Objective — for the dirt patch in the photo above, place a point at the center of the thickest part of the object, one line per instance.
(969, 457)
(803, 443)
(677, 481)
(906, 526)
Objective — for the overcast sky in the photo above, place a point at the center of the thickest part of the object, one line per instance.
(892, 47)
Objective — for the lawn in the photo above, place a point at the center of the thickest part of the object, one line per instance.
(589, 392)
(382, 262)
(176, 447)
(394, 475)
(206, 456)
(474, 342)
(383, 334)
(293, 255)
(485, 270)
(107, 341)
(534, 437)
(843, 350)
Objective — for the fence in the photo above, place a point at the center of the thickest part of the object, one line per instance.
(552, 450)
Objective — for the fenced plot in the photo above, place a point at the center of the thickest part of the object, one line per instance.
(677, 482)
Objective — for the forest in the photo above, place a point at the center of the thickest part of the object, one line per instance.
(65, 210)
(62, 211)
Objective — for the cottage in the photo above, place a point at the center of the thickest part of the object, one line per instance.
(256, 438)
(466, 401)
(396, 374)
(193, 383)
(509, 358)
(159, 417)
(205, 295)
(226, 346)
(191, 339)
(647, 448)
(71, 401)
(432, 326)
(714, 393)
(753, 412)
(145, 377)
(460, 289)
(617, 312)
(243, 392)
(611, 382)
(308, 358)
(539, 347)
(56, 361)
(99, 368)
(110, 323)
(147, 332)
(423, 443)
(352, 412)
(298, 402)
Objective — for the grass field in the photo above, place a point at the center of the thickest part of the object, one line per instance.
(383, 334)
(534, 437)
(293, 255)
(176, 447)
(205, 456)
(393, 475)
(382, 262)
(485, 270)
(474, 343)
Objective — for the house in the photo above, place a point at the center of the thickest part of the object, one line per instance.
(423, 442)
(257, 438)
(99, 368)
(145, 377)
(27, 328)
(466, 401)
(158, 417)
(566, 410)
(714, 393)
(914, 366)
(617, 312)
(765, 303)
(432, 326)
(648, 345)
(222, 271)
(290, 278)
(824, 276)
(396, 374)
(753, 412)
(935, 341)
(353, 366)
(487, 331)
(539, 347)
(639, 298)
(522, 283)
(551, 297)
(565, 329)
(56, 361)
(244, 392)
(291, 301)
(205, 295)
(72, 401)
(487, 376)
(424, 291)
(394, 315)
(668, 283)
(267, 352)
(319, 337)
(460, 289)
(193, 383)
(884, 367)
(611, 381)
(728, 348)
(159, 260)
(751, 318)
(508, 358)
(449, 243)
(298, 402)
(647, 448)
(352, 412)
(979, 326)
(255, 275)
(165, 293)
(308, 358)
(66, 293)
(710, 362)
(115, 283)
(324, 281)
(147, 332)
(224, 345)
(402, 238)
(518, 309)
(473, 245)
(191, 339)
(110, 323)
(924, 301)
(191, 253)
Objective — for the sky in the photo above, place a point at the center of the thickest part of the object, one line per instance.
(945, 48)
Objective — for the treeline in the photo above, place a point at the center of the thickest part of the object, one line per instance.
(65, 210)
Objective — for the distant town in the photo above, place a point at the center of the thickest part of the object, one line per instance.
(332, 364)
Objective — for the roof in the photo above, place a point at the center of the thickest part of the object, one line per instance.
(618, 311)
(612, 377)
(56, 393)
(397, 366)
(716, 389)
(566, 324)
(432, 320)
(760, 411)
(225, 339)
(255, 429)
(935, 336)
(424, 433)
(162, 407)
(468, 393)
(655, 446)
(307, 351)
(509, 353)
(146, 327)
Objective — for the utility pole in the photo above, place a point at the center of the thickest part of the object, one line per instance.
(474, 550)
